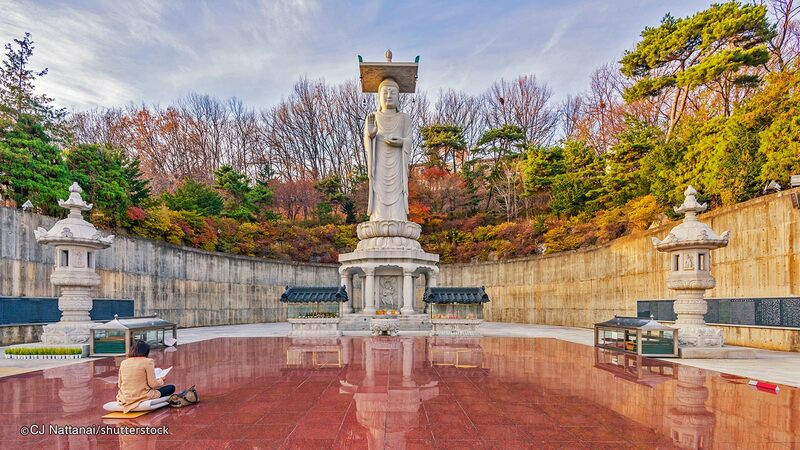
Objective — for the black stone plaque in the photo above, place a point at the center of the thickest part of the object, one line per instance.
(712, 315)
(768, 311)
(742, 311)
(643, 309)
(772, 312)
(790, 312)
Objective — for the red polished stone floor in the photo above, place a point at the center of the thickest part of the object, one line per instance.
(411, 393)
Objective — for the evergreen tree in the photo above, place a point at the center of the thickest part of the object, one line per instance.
(196, 197)
(100, 172)
(712, 48)
(138, 185)
(331, 189)
(235, 189)
(541, 166)
(17, 86)
(661, 167)
(624, 177)
(776, 112)
(740, 163)
(498, 157)
(575, 190)
(444, 145)
(499, 142)
(260, 196)
(31, 168)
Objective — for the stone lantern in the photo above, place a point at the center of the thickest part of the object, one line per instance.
(76, 242)
(689, 245)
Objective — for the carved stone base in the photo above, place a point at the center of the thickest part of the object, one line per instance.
(314, 327)
(388, 228)
(67, 333)
(699, 336)
(455, 327)
(384, 326)
(388, 243)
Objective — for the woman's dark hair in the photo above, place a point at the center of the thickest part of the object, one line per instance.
(139, 348)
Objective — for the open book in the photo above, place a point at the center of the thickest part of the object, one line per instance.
(161, 373)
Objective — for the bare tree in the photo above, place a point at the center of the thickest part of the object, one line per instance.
(571, 112)
(109, 127)
(523, 102)
(243, 139)
(459, 108)
(418, 107)
(785, 45)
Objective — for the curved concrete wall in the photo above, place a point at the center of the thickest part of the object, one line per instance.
(189, 286)
(579, 288)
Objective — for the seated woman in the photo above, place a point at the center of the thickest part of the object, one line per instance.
(137, 378)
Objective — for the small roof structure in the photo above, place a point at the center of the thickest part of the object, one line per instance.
(634, 323)
(134, 323)
(373, 73)
(74, 230)
(691, 233)
(314, 294)
(456, 295)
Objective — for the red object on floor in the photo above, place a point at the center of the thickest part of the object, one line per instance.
(764, 386)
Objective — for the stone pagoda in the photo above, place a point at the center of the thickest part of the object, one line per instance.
(388, 258)
(76, 242)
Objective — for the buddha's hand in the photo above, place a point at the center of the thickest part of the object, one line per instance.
(372, 129)
(393, 141)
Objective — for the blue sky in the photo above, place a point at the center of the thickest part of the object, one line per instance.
(111, 53)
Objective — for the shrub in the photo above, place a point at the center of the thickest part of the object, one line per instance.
(643, 211)
(43, 351)
(560, 239)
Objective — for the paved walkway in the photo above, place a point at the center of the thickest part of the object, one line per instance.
(774, 366)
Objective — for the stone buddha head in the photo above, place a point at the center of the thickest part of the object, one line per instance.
(388, 94)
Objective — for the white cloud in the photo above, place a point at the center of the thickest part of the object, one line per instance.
(112, 53)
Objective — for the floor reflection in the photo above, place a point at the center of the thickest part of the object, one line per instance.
(415, 392)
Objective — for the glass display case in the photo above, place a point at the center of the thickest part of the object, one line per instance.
(643, 337)
(115, 337)
(456, 311)
(314, 302)
(313, 310)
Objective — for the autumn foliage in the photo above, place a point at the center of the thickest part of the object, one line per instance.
(709, 100)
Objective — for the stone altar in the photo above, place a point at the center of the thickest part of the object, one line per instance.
(388, 256)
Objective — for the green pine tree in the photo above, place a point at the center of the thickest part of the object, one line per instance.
(17, 88)
(235, 189)
(625, 178)
(445, 145)
(193, 196)
(574, 191)
(100, 171)
(712, 48)
(31, 168)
